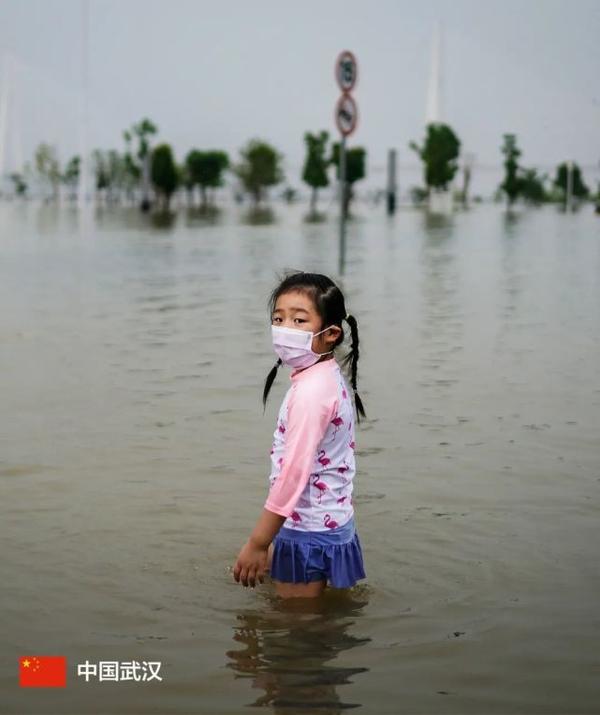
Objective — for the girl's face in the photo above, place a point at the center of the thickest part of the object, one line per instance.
(296, 310)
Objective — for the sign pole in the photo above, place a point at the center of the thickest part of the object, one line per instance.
(346, 113)
(342, 252)
(391, 182)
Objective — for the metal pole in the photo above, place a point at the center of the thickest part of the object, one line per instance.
(342, 256)
(391, 183)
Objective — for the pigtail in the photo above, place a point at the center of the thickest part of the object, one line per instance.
(269, 381)
(352, 358)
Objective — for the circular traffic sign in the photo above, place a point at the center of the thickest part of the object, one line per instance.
(346, 114)
(346, 70)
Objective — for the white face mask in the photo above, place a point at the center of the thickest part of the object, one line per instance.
(294, 346)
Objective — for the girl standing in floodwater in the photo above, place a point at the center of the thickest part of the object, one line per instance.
(306, 534)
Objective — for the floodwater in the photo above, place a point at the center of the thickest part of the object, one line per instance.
(134, 460)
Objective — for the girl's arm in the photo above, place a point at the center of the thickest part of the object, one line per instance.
(310, 408)
(266, 528)
(252, 560)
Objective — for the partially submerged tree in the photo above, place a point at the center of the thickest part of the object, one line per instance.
(205, 168)
(48, 166)
(259, 168)
(70, 176)
(314, 172)
(112, 173)
(19, 183)
(439, 154)
(561, 181)
(533, 189)
(164, 173)
(512, 183)
(139, 164)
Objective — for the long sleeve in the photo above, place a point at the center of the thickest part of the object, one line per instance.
(310, 410)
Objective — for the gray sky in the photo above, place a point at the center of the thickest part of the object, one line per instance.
(214, 74)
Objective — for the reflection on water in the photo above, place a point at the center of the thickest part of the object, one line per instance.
(163, 219)
(208, 215)
(439, 223)
(441, 317)
(259, 216)
(290, 650)
(315, 217)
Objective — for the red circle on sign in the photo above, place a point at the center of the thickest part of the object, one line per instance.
(346, 70)
(346, 114)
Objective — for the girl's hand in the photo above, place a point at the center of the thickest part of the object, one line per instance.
(251, 564)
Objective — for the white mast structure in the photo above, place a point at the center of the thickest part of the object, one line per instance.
(433, 113)
(9, 119)
(5, 90)
(439, 201)
(83, 188)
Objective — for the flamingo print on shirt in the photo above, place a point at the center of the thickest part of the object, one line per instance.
(312, 460)
(337, 421)
(329, 522)
(321, 486)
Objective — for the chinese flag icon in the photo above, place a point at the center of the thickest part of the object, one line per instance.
(43, 671)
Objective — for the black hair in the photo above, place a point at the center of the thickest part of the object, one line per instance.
(329, 304)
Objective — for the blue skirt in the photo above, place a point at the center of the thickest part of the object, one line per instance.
(303, 556)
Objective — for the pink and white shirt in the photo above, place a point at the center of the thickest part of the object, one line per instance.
(312, 455)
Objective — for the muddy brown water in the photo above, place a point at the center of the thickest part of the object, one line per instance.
(134, 462)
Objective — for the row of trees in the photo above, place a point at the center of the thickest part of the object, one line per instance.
(440, 153)
(152, 174)
(527, 184)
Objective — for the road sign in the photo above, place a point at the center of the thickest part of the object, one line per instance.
(346, 114)
(346, 70)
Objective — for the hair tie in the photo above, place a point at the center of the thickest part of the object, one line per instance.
(347, 316)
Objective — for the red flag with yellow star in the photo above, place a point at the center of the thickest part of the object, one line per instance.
(43, 671)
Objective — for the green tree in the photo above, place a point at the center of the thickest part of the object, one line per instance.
(70, 175)
(512, 183)
(578, 187)
(186, 180)
(355, 170)
(439, 154)
(19, 183)
(132, 168)
(260, 167)
(100, 169)
(138, 164)
(164, 173)
(47, 166)
(532, 186)
(206, 168)
(314, 172)
(111, 171)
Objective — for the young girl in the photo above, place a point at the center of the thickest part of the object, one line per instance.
(306, 534)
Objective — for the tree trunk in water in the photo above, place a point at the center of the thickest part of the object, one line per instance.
(313, 201)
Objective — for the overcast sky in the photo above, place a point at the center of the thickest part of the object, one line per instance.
(212, 75)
